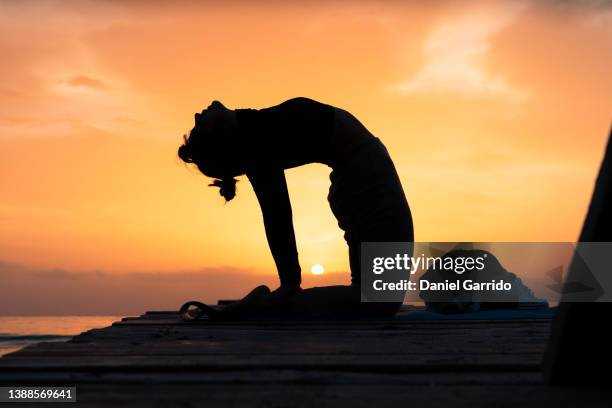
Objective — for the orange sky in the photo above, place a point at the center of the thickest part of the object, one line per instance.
(495, 113)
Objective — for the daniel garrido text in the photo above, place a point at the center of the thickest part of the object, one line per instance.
(467, 285)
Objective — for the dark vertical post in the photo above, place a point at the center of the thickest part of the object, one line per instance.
(580, 348)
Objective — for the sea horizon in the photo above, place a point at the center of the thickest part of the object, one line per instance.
(17, 332)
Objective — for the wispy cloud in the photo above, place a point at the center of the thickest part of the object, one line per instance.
(454, 54)
(81, 81)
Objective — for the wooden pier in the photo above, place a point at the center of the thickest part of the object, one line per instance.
(157, 360)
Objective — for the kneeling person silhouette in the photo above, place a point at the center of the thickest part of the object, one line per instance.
(365, 196)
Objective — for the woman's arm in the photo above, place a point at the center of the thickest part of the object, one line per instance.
(271, 189)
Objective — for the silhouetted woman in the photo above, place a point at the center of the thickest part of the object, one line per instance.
(366, 195)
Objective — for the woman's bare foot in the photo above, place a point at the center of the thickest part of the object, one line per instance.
(250, 305)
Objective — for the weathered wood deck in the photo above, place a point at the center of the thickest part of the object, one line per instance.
(155, 358)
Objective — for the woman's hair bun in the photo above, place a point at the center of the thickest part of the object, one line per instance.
(227, 187)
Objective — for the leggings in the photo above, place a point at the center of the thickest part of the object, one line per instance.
(367, 199)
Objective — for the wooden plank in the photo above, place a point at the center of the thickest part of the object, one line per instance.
(261, 343)
(331, 323)
(276, 377)
(349, 362)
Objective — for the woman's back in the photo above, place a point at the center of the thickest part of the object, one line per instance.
(291, 134)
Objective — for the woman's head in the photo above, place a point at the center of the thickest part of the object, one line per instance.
(210, 147)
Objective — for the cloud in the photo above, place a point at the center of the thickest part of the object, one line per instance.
(28, 290)
(454, 53)
(9, 92)
(80, 81)
(601, 19)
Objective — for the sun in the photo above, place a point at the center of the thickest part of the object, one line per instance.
(317, 269)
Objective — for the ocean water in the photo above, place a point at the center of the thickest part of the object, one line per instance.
(19, 331)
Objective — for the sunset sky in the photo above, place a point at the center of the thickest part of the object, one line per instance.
(495, 113)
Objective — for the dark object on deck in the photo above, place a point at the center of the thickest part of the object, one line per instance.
(520, 297)
(225, 302)
(194, 310)
(579, 347)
